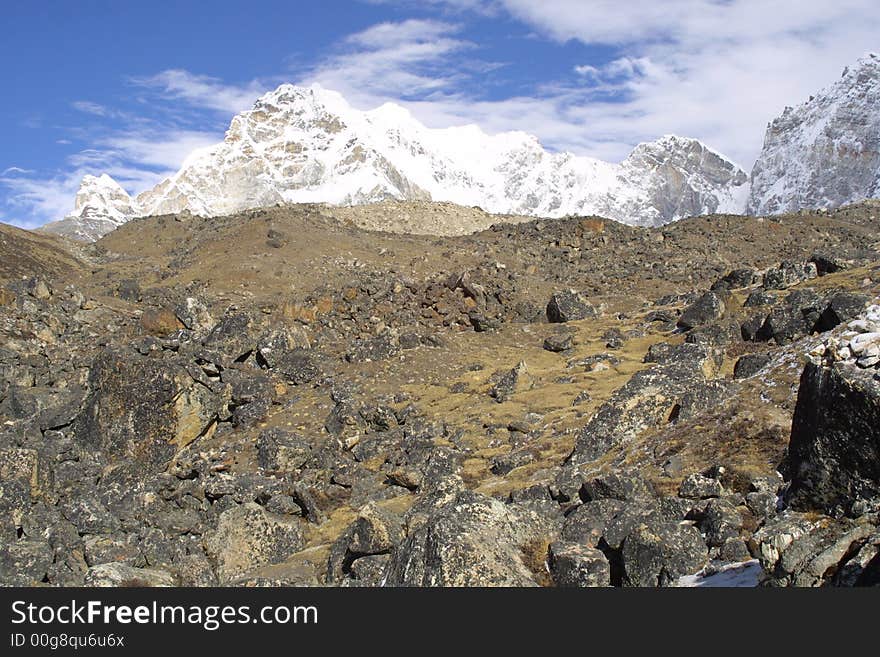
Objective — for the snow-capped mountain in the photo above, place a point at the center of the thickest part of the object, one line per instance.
(101, 205)
(302, 144)
(824, 152)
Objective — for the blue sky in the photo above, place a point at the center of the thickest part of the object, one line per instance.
(130, 88)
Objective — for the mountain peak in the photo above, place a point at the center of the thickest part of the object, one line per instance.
(825, 151)
(307, 144)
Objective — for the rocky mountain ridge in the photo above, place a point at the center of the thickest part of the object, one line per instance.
(308, 145)
(826, 151)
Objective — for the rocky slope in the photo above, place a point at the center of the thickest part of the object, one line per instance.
(824, 152)
(280, 397)
(308, 145)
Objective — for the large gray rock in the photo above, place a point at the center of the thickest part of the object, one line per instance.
(708, 308)
(145, 409)
(798, 549)
(119, 574)
(248, 537)
(471, 540)
(660, 551)
(834, 451)
(576, 565)
(569, 306)
(676, 388)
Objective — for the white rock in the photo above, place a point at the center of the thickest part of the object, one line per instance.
(864, 341)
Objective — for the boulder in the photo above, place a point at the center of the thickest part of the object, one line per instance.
(842, 307)
(282, 451)
(247, 537)
(749, 365)
(707, 309)
(122, 575)
(576, 565)
(569, 306)
(700, 487)
(676, 388)
(144, 409)
(834, 450)
(471, 540)
(659, 552)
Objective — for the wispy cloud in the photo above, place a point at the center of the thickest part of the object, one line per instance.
(88, 107)
(714, 70)
(36, 201)
(403, 60)
(202, 91)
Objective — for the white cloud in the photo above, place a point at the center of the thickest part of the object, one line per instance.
(408, 59)
(36, 201)
(203, 91)
(88, 107)
(714, 70)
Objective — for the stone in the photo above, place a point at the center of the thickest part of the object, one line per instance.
(122, 575)
(700, 487)
(470, 540)
(247, 537)
(707, 309)
(569, 306)
(834, 449)
(842, 307)
(748, 365)
(25, 563)
(624, 487)
(738, 279)
(674, 389)
(576, 565)
(510, 382)
(558, 343)
(194, 315)
(786, 275)
(282, 451)
(721, 522)
(143, 409)
(160, 322)
(659, 552)
(503, 463)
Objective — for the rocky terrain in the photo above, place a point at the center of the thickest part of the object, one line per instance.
(282, 397)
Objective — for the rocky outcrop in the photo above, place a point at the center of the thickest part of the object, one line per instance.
(834, 455)
(145, 409)
(825, 152)
(471, 540)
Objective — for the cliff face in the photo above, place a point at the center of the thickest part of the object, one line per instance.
(824, 152)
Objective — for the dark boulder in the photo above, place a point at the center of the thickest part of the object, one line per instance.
(569, 306)
(707, 309)
(558, 342)
(834, 451)
(659, 552)
(750, 364)
(842, 307)
(144, 409)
